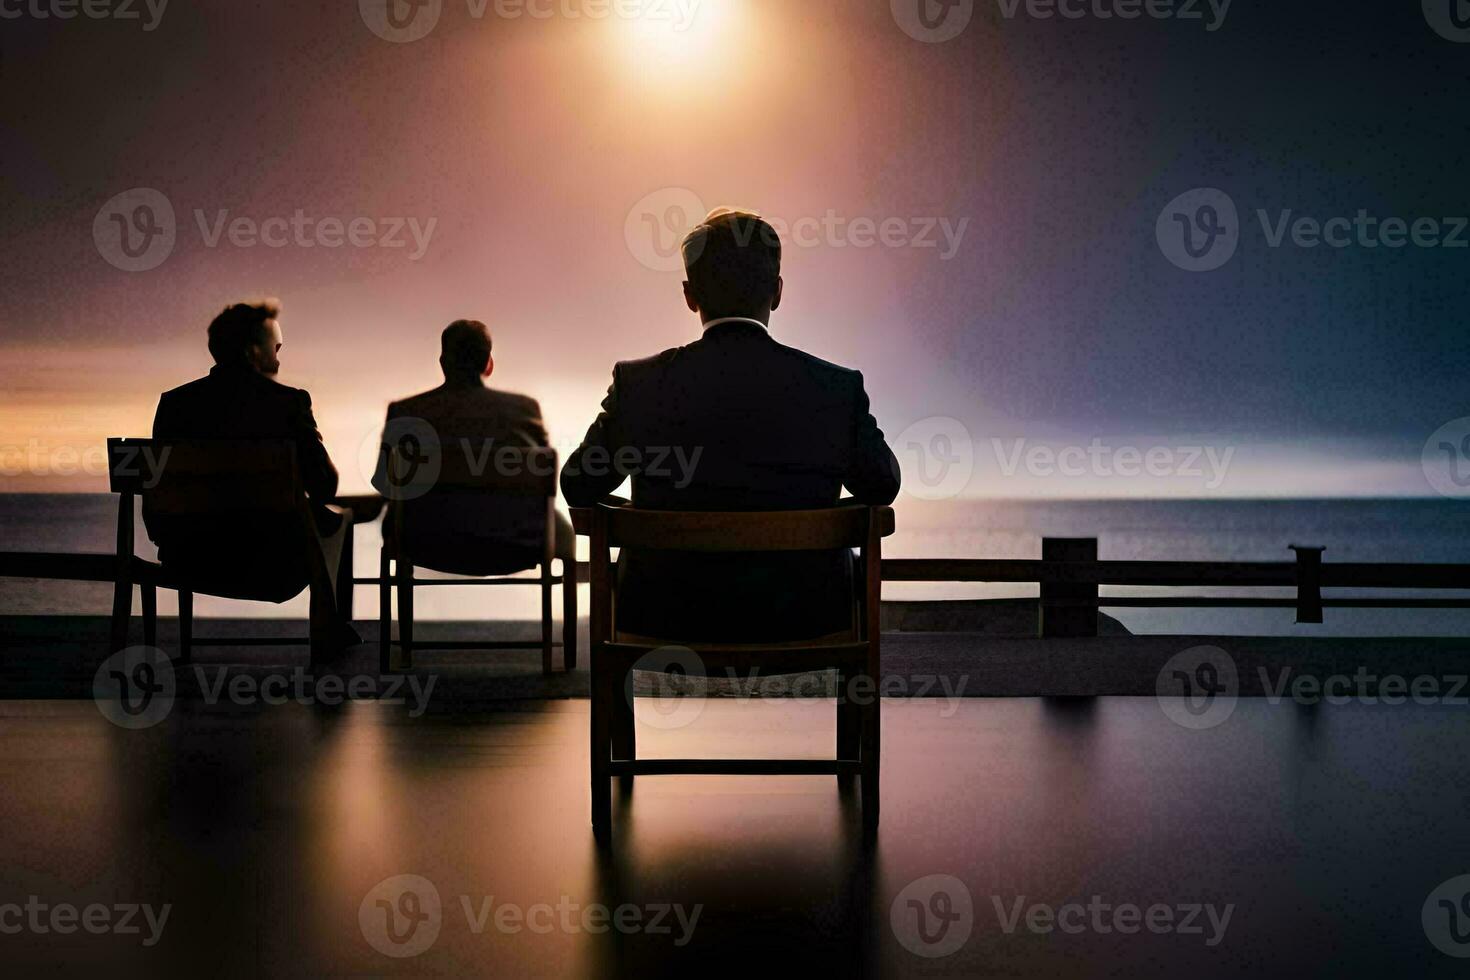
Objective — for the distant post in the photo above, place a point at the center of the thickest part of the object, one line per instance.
(1068, 608)
(1308, 583)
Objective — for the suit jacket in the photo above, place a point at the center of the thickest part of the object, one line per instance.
(462, 534)
(734, 421)
(239, 403)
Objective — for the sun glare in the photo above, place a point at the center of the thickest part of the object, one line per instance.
(680, 36)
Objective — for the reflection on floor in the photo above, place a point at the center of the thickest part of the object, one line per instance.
(1075, 837)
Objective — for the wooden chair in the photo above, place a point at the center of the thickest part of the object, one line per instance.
(485, 492)
(856, 655)
(216, 492)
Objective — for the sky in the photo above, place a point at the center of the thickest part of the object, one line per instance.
(984, 207)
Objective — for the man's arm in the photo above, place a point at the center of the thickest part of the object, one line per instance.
(872, 470)
(589, 476)
(318, 474)
(381, 483)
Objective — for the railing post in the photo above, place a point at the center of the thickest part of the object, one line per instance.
(1068, 608)
(1308, 583)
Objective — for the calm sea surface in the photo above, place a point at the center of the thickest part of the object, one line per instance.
(1246, 530)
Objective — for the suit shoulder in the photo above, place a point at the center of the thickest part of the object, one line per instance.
(638, 367)
(822, 368)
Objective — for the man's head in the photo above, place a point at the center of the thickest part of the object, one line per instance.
(465, 350)
(248, 335)
(733, 264)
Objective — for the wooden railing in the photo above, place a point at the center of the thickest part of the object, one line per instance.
(1070, 588)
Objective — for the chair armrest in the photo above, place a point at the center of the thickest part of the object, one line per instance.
(886, 521)
(364, 508)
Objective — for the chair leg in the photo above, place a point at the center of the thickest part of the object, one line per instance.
(122, 613)
(871, 741)
(385, 617)
(547, 666)
(601, 747)
(150, 614)
(621, 717)
(849, 718)
(186, 626)
(405, 611)
(569, 616)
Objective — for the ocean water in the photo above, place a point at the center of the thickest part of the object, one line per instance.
(1412, 530)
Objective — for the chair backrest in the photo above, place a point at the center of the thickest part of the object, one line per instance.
(467, 510)
(218, 478)
(715, 531)
(463, 466)
(230, 517)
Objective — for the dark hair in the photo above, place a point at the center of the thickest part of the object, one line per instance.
(465, 346)
(239, 328)
(733, 260)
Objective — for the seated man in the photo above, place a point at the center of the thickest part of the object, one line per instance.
(240, 400)
(458, 534)
(733, 421)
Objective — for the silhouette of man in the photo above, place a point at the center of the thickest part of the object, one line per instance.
(451, 533)
(241, 400)
(733, 421)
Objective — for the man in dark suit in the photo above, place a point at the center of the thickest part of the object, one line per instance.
(452, 533)
(241, 400)
(733, 421)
